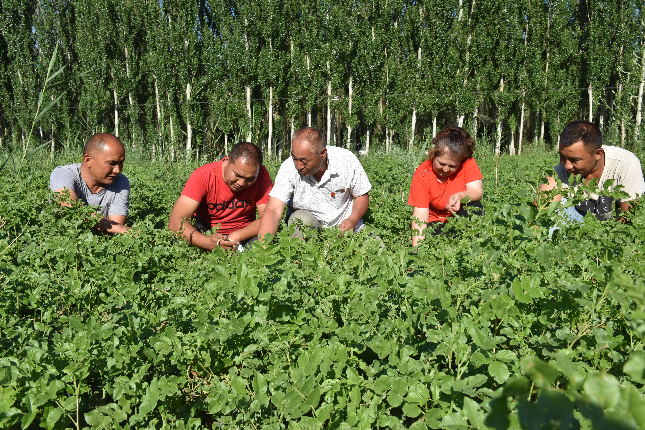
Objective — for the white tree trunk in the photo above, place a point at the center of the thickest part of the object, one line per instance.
(498, 142)
(460, 120)
(309, 73)
(639, 99)
(475, 121)
(189, 128)
(270, 138)
(349, 113)
(367, 142)
(387, 140)
(226, 143)
(116, 113)
(590, 97)
(542, 131)
(434, 126)
(127, 73)
(328, 108)
(521, 133)
(158, 104)
(172, 134)
(511, 148)
(249, 113)
(412, 129)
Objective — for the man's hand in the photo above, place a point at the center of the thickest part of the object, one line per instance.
(348, 224)
(359, 208)
(113, 224)
(229, 241)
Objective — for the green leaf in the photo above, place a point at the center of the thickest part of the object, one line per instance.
(603, 390)
(53, 416)
(551, 410)
(499, 371)
(542, 374)
(635, 366)
(394, 399)
(418, 393)
(411, 410)
(516, 387)
(455, 420)
(506, 356)
(473, 412)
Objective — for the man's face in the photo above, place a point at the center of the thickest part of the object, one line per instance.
(308, 161)
(240, 174)
(446, 164)
(106, 164)
(577, 159)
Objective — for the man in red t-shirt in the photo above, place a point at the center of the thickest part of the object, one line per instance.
(224, 193)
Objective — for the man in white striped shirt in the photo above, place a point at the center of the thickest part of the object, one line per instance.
(323, 186)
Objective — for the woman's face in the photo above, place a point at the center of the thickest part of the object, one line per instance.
(445, 164)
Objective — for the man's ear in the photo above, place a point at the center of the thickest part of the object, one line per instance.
(599, 153)
(86, 158)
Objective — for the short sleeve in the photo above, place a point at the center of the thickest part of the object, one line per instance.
(360, 184)
(419, 189)
(283, 186)
(634, 184)
(195, 187)
(121, 199)
(61, 178)
(264, 187)
(471, 171)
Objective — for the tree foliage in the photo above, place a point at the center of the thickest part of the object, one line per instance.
(174, 77)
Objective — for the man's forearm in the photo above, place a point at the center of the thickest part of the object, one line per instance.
(359, 207)
(191, 235)
(268, 223)
(248, 231)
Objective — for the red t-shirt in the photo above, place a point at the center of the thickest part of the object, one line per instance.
(217, 202)
(427, 192)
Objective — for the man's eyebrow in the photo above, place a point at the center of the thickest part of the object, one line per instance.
(238, 174)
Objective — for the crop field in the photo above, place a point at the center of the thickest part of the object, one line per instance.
(492, 325)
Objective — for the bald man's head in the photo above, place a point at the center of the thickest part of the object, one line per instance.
(103, 158)
(102, 142)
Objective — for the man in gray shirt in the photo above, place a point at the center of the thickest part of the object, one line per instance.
(97, 181)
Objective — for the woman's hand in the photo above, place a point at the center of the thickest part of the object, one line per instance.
(454, 202)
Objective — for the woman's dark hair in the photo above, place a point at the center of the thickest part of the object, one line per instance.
(456, 140)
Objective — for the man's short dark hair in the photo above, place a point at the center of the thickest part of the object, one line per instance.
(99, 142)
(246, 150)
(584, 131)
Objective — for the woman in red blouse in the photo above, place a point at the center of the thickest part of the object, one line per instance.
(447, 177)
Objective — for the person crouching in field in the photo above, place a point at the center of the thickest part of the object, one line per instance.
(97, 181)
(225, 193)
(447, 183)
(582, 153)
(322, 186)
